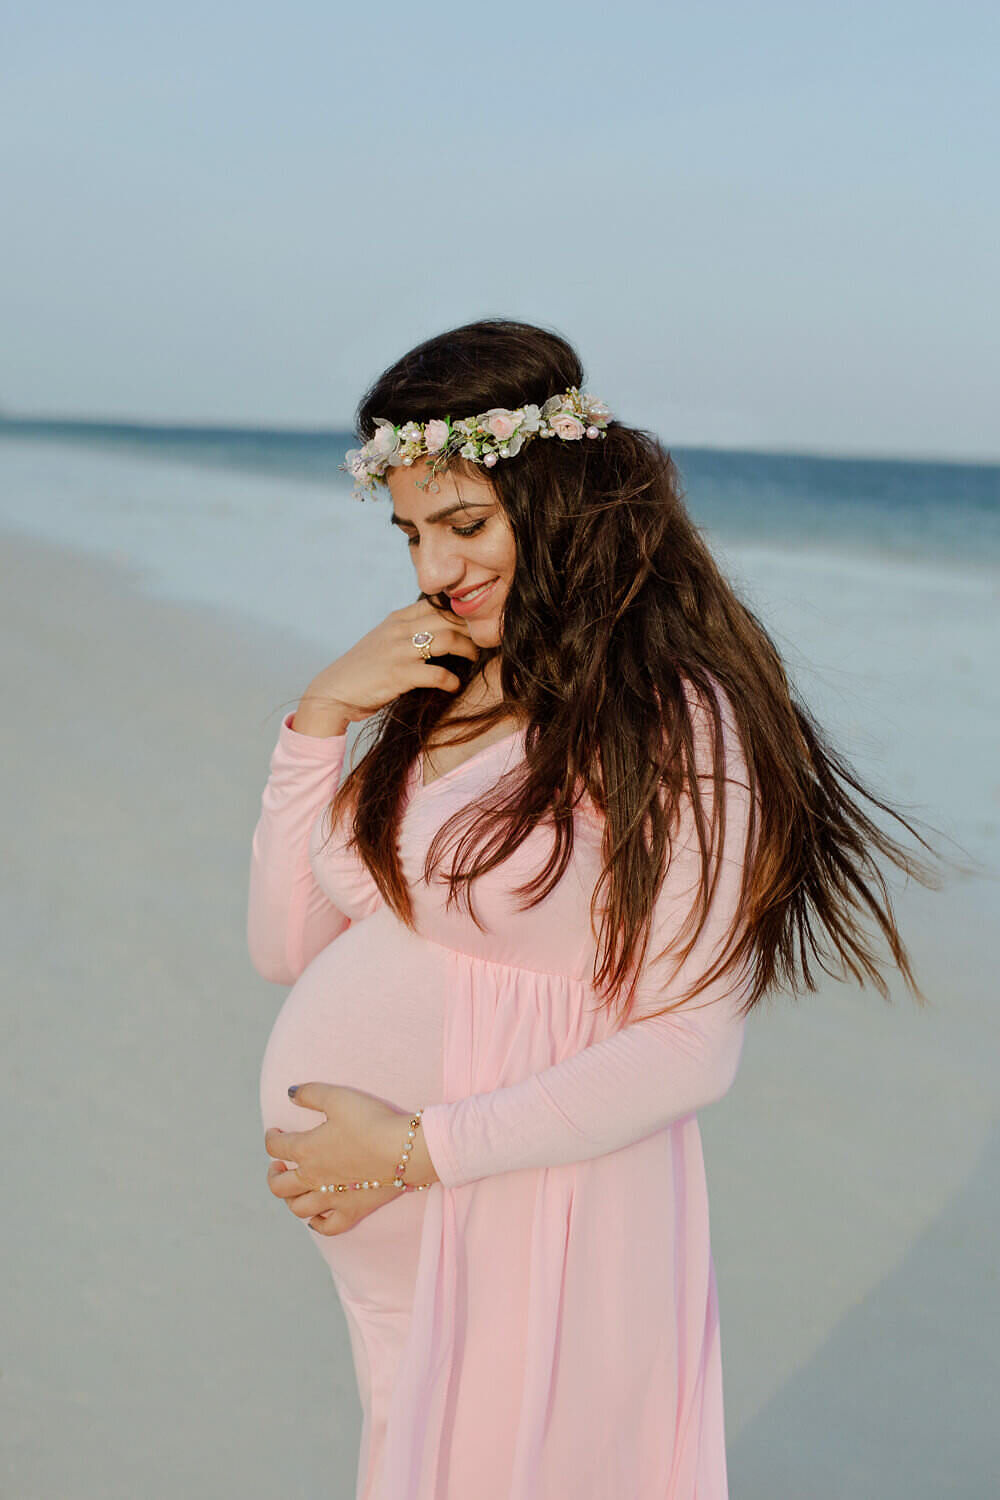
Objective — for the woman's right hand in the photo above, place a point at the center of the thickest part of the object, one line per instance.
(385, 663)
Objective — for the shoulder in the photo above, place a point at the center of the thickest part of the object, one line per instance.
(701, 698)
(700, 709)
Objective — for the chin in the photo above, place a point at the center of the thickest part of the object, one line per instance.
(484, 632)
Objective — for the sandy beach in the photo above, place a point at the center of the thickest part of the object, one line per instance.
(168, 1329)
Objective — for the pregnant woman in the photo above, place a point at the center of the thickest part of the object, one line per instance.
(592, 827)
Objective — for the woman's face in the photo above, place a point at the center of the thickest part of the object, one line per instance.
(458, 538)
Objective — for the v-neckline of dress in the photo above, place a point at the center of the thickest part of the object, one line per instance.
(469, 760)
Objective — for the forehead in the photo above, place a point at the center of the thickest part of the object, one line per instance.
(411, 503)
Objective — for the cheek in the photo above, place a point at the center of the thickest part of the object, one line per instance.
(501, 557)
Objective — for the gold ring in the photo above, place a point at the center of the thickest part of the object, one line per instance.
(422, 640)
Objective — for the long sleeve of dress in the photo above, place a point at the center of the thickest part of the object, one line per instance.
(289, 918)
(652, 1071)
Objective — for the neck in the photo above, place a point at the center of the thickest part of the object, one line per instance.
(486, 689)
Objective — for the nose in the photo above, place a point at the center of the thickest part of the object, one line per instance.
(440, 564)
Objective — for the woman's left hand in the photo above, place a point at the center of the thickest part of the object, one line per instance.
(361, 1140)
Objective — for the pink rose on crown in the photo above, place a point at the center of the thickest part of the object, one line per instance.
(435, 435)
(565, 426)
(499, 422)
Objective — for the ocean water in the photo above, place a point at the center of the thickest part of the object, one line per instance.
(890, 508)
(878, 580)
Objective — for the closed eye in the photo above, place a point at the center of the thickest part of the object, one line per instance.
(458, 530)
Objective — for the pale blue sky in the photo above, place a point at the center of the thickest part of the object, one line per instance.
(764, 226)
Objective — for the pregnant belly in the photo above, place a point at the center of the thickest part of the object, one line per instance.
(367, 1012)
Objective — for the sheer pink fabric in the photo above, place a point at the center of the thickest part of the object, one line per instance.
(543, 1323)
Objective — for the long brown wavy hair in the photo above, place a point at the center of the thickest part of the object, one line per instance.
(616, 608)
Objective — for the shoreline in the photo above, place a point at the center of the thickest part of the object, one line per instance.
(326, 501)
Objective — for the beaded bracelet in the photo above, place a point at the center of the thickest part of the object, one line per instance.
(406, 1187)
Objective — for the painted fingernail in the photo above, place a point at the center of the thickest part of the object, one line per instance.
(292, 1090)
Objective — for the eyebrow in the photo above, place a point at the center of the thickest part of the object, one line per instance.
(439, 515)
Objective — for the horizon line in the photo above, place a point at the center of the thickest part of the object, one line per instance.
(11, 419)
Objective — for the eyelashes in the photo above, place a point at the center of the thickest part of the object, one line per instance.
(458, 530)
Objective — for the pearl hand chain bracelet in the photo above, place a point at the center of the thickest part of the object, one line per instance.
(397, 1182)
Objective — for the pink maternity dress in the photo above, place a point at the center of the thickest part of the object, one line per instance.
(542, 1324)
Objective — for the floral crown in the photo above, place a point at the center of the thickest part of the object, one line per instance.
(494, 434)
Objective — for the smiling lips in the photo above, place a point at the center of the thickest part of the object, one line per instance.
(470, 592)
(467, 604)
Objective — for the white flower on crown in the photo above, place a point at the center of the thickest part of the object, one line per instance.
(385, 441)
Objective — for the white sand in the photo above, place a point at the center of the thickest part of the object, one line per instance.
(169, 1329)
